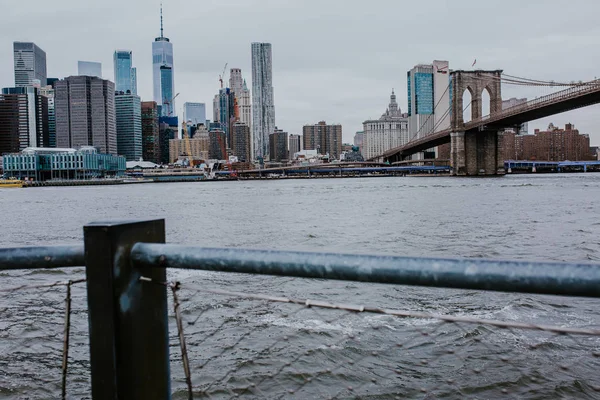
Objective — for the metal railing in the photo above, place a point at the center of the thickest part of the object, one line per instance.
(238, 340)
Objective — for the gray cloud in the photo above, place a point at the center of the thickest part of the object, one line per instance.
(335, 60)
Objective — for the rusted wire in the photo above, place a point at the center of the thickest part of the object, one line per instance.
(67, 331)
(42, 286)
(184, 357)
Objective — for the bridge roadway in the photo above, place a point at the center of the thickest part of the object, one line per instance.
(565, 100)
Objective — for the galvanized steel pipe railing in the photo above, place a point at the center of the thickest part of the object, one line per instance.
(41, 257)
(569, 279)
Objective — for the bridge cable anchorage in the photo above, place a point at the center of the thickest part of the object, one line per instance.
(175, 286)
(66, 337)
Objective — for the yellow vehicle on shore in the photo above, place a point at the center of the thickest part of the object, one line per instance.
(10, 183)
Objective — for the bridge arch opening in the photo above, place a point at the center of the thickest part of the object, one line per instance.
(486, 102)
(467, 105)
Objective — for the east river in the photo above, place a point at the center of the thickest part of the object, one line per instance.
(235, 342)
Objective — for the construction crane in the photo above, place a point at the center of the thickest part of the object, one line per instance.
(223, 75)
(169, 102)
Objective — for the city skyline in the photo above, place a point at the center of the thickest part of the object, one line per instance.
(358, 72)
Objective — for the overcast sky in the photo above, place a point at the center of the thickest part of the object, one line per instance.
(334, 60)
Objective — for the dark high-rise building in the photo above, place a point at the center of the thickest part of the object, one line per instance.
(167, 127)
(216, 146)
(278, 145)
(241, 144)
(129, 125)
(23, 119)
(48, 92)
(150, 132)
(85, 113)
(30, 64)
(326, 139)
(226, 112)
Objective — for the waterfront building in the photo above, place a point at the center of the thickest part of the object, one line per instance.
(554, 144)
(43, 164)
(199, 146)
(238, 85)
(85, 113)
(168, 127)
(163, 72)
(241, 142)
(125, 74)
(295, 145)
(326, 139)
(278, 145)
(217, 149)
(150, 132)
(194, 113)
(29, 63)
(263, 106)
(23, 119)
(128, 113)
(89, 68)
(429, 93)
(385, 133)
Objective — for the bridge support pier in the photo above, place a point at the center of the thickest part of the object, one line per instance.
(475, 153)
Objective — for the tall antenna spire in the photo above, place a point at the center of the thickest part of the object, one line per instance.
(161, 21)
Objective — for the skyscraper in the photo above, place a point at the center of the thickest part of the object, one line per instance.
(125, 74)
(89, 68)
(23, 119)
(162, 71)
(48, 92)
(85, 113)
(150, 132)
(129, 125)
(194, 112)
(263, 107)
(30, 64)
(226, 112)
(238, 85)
(428, 99)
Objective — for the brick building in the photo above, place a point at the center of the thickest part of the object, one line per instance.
(326, 139)
(553, 144)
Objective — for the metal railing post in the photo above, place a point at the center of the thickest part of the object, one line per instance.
(128, 321)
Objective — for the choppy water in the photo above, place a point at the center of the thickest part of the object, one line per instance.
(544, 217)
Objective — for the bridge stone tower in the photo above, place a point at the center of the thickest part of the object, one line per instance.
(474, 146)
